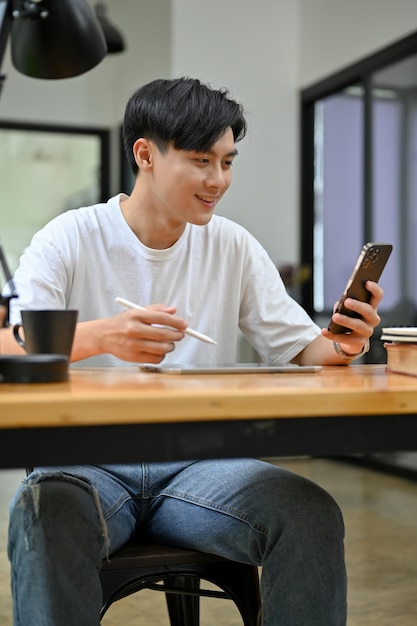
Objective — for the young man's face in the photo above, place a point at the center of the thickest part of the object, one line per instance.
(187, 186)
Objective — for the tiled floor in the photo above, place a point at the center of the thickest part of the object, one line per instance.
(380, 514)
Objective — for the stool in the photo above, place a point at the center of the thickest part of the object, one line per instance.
(177, 572)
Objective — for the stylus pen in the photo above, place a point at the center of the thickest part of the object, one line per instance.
(187, 331)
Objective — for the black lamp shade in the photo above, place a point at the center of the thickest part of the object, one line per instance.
(66, 43)
(114, 40)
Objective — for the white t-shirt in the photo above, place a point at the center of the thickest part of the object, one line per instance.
(218, 276)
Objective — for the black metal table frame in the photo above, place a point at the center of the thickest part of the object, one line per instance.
(260, 438)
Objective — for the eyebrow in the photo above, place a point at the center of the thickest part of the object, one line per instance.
(232, 153)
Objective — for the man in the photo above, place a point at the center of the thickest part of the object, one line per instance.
(163, 248)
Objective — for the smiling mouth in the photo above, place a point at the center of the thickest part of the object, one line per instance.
(207, 199)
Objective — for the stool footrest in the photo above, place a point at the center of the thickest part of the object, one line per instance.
(177, 572)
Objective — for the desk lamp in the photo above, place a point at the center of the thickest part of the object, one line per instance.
(114, 40)
(51, 39)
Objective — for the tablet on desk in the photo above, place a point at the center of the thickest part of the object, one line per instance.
(229, 368)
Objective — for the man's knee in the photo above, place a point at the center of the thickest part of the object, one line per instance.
(53, 507)
(302, 504)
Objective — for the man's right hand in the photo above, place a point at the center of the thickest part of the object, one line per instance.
(141, 336)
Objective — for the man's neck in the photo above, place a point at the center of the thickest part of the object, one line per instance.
(154, 233)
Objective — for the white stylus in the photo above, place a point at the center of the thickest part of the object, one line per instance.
(188, 331)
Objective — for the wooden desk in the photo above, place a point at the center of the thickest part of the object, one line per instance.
(123, 415)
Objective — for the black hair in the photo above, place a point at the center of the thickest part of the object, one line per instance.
(183, 112)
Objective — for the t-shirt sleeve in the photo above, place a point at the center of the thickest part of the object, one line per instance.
(273, 322)
(43, 278)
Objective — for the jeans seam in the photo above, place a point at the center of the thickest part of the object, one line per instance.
(208, 504)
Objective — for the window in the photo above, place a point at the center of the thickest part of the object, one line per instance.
(45, 170)
(359, 179)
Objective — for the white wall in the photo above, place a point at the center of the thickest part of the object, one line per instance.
(336, 33)
(251, 48)
(262, 51)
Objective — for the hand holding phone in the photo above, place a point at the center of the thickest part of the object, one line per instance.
(369, 266)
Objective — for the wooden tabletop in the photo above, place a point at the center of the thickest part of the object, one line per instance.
(127, 416)
(126, 395)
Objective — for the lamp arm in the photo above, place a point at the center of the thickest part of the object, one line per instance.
(5, 25)
(5, 300)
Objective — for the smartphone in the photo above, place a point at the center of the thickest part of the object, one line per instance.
(369, 266)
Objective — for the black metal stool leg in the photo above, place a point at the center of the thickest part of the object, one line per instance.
(183, 609)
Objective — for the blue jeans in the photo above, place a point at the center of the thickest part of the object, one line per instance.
(64, 521)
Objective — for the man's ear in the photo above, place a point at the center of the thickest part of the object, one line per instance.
(143, 150)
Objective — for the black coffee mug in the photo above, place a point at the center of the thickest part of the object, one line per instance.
(47, 331)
